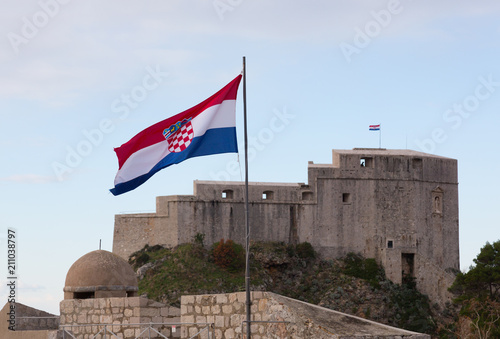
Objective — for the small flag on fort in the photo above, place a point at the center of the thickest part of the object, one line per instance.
(205, 129)
(375, 127)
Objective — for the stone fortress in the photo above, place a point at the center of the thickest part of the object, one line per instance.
(397, 206)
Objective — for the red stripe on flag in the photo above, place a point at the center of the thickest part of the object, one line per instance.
(154, 134)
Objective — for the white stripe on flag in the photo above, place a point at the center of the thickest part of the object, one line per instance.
(142, 161)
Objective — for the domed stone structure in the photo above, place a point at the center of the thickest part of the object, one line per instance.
(100, 274)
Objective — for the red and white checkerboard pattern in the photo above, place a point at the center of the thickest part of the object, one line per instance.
(181, 139)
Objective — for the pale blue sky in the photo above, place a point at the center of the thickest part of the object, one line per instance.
(81, 77)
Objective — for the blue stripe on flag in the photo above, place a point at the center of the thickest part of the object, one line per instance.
(214, 141)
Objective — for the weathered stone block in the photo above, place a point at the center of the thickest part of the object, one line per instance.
(128, 312)
(117, 302)
(137, 302)
(242, 297)
(150, 312)
(187, 299)
(215, 309)
(256, 295)
(227, 309)
(193, 331)
(164, 311)
(236, 320)
(82, 319)
(221, 298)
(187, 319)
(105, 319)
(262, 304)
(229, 333)
(232, 297)
(238, 306)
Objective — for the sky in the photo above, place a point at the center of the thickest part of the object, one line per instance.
(78, 78)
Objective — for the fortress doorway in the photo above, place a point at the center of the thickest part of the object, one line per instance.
(407, 265)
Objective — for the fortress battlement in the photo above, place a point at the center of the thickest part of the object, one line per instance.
(397, 206)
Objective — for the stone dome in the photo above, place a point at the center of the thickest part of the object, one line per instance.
(100, 274)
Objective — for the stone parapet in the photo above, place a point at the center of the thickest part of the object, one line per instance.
(275, 316)
(86, 317)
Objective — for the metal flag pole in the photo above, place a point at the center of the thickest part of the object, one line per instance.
(247, 225)
(380, 136)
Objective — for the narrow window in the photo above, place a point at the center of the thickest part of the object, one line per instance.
(390, 244)
(346, 198)
(366, 162)
(227, 194)
(268, 195)
(307, 196)
(83, 295)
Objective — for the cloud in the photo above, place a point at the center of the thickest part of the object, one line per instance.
(30, 179)
(95, 46)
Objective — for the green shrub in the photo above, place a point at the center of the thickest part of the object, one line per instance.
(412, 307)
(359, 267)
(305, 251)
(199, 239)
(141, 259)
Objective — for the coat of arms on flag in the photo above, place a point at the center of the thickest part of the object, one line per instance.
(179, 135)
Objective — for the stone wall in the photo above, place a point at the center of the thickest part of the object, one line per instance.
(28, 327)
(277, 317)
(119, 313)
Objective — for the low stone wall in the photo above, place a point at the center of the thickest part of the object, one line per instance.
(276, 316)
(30, 323)
(119, 313)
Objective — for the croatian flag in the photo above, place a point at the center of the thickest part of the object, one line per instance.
(207, 128)
(375, 127)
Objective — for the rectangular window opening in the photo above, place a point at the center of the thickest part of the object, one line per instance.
(390, 244)
(83, 295)
(366, 162)
(227, 194)
(346, 198)
(307, 196)
(268, 195)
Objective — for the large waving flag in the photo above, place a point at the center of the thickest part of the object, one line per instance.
(207, 128)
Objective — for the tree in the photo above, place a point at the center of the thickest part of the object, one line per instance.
(478, 292)
(483, 279)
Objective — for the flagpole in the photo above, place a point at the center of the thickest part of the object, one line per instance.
(380, 136)
(247, 225)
